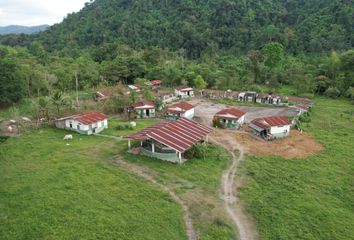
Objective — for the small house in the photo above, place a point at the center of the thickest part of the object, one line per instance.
(155, 84)
(250, 96)
(271, 127)
(263, 98)
(169, 141)
(84, 123)
(144, 109)
(184, 92)
(166, 97)
(179, 110)
(134, 87)
(230, 118)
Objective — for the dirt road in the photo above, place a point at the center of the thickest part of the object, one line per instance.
(233, 207)
(144, 173)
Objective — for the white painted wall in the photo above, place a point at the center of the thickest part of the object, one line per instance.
(189, 113)
(241, 120)
(277, 130)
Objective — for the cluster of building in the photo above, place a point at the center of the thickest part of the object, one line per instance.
(302, 104)
(170, 139)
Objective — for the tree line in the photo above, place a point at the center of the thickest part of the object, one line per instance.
(27, 72)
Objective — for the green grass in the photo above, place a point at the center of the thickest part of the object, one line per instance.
(308, 198)
(49, 190)
(113, 122)
(199, 178)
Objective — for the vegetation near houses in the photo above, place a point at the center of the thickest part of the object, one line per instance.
(51, 189)
(307, 193)
(54, 190)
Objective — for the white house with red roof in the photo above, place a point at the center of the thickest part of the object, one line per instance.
(230, 118)
(85, 123)
(184, 92)
(144, 109)
(134, 87)
(169, 140)
(271, 127)
(178, 110)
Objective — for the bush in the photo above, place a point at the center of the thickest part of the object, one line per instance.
(332, 92)
(216, 122)
(199, 150)
(126, 126)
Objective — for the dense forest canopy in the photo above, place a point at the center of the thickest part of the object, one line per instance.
(249, 44)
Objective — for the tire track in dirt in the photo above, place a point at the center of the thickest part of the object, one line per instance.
(144, 173)
(245, 226)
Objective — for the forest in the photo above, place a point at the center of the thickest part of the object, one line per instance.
(301, 47)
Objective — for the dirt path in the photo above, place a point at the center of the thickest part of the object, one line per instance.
(234, 209)
(144, 173)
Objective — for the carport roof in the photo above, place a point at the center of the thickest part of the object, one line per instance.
(267, 122)
(179, 135)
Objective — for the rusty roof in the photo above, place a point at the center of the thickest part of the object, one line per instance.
(179, 107)
(179, 135)
(144, 105)
(231, 113)
(267, 122)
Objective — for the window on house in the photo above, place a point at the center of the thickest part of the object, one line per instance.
(78, 127)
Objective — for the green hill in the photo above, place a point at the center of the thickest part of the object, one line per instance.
(204, 26)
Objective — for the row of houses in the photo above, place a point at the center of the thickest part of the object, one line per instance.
(302, 104)
(265, 127)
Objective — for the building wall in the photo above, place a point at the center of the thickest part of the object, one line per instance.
(86, 129)
(280, 131)
(184, 94)
(189, 114)
(141, 113)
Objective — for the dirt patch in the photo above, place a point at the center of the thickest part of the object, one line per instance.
(296, 145)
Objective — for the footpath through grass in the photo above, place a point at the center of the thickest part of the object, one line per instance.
(50, 190)
(197, 182)
(308, 198)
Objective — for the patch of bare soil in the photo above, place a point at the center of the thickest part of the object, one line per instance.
(296, 145)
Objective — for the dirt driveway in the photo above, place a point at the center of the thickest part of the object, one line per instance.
(207, 109)
(297, 145)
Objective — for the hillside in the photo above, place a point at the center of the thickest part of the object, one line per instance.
(197, 26)
(16, 29)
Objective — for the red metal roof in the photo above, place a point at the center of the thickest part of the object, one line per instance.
(142, 105)
(155, 82)
(179, 135)
(184, 106)
(184, 88)
(89, 117)
(299, 100)
(267, 122)
(231, 111)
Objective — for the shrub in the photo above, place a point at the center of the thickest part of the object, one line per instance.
(332, 92)
(126, 126)
(199, 150)
(216, 122)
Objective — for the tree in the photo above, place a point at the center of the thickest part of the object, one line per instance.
(199, 83)
(273, 55)
(12, 81)
(148, 95)
(255, 58)
(58, 100)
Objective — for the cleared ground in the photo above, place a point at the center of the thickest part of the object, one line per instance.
(207, 109)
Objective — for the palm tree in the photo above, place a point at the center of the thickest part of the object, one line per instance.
(58, 100)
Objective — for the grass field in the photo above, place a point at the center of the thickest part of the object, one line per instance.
(308, 198)
(50, 190)
(114, 122)
(197, 182)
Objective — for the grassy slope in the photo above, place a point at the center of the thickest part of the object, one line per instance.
(53, 191)
(199, 179)
(308, 198)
